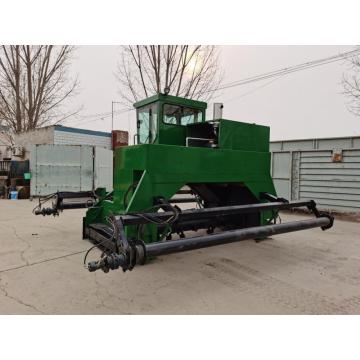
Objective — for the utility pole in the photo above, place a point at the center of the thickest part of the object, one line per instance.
(112, 113)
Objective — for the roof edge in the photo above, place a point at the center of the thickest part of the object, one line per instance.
(317, 138)
(81, 131)
(172, 99)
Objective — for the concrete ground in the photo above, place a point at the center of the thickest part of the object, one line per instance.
(307, 272)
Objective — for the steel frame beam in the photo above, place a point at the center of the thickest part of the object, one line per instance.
(205, 213)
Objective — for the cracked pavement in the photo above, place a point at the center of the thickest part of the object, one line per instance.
(306, 272)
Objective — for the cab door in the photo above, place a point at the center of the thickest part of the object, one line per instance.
(147, 124)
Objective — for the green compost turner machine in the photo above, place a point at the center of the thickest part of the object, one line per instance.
(186, 184)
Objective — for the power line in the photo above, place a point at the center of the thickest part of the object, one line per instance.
(332, 59)
(298, 67)
(101, 115)
(97, 117)
(251, 91)
(269, 75)
(287, 70)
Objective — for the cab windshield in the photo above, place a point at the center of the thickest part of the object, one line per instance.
(180, 115)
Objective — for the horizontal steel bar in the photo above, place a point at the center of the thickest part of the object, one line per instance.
(76, 205)
(75, 194)
(174, 246)
(182, 200)
(133, 219)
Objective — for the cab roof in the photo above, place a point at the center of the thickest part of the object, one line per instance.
(175, 100)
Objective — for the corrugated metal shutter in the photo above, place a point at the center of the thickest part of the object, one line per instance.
(314, 174)
(332, 185)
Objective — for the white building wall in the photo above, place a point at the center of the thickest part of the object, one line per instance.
(75, 138)
(61, 135)
(41, 136)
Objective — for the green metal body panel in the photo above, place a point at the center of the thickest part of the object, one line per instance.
(237, 135)
(162, 168)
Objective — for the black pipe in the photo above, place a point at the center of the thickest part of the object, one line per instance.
(76, 205)
(205, 213)
(174, 246)
(141, 251)
(74, 194)
(182, 200)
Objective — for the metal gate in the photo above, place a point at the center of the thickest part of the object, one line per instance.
(69, 168)
(103, 168)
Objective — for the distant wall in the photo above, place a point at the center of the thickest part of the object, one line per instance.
(62, 135)
(41, 136)
(71, 136)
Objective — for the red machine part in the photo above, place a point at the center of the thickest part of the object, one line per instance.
(119, 138)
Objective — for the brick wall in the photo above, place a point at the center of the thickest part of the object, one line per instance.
(75, 138)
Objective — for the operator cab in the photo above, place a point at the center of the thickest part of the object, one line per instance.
(164, 119)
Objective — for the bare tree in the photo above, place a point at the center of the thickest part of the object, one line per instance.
(351, 83)
(34, 84)
(187, 71)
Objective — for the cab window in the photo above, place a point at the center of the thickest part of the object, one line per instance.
(180, 115)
